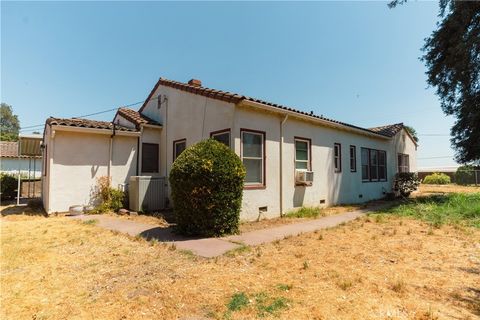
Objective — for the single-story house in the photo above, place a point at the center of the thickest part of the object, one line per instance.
(292, 158)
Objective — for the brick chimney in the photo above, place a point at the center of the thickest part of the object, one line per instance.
(195, 82)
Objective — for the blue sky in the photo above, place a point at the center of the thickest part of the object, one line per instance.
(357, 62)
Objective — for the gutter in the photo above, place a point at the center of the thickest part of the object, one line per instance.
(56, 127)
(326, 123)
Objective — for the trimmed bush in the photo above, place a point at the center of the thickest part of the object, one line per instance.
(405, 183)
(8, 185)
(437, 178)
(207, 184)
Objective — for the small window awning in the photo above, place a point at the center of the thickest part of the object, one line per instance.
(29, 145)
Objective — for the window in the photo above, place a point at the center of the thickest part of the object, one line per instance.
(337, 157)
(353, 159)
(222, 136)
(302, 154)
(403, 162)
(365, 164)
(178, 147)
(374, 165)
(150, 157)
(382, 165)
(253, 157)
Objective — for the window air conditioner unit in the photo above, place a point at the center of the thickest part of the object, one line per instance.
(303, 177)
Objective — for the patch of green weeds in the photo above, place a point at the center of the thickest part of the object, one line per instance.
(306, 212)
(238, 250)
(284, 287)
(90, 222)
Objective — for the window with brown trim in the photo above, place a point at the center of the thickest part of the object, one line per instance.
(337, 157)
(150, 157)
(374, 165)
(353, 159)
(178, 147)
(222, 136)
(303, 159)
(403, 163)
(253, 157)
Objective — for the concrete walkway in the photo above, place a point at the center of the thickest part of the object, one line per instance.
(213, 247)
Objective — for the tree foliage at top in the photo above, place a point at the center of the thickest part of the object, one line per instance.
(9, 123)
(452, 58)
(412, 132)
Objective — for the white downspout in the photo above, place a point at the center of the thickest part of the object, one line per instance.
(281, 163)
(109, 158)
(110, 153)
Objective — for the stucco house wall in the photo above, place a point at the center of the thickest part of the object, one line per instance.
(189, 116)
(81, 157)
(77, 159)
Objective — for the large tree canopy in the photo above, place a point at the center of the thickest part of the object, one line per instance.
(452, 58)
(9, 123)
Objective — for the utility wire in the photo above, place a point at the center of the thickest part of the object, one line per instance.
(441, 157)
(87, 115)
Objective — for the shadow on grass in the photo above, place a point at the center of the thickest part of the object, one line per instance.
(29, 208)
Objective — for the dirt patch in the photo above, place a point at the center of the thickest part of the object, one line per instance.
(395, 268)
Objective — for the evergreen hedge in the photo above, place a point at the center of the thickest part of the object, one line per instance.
(207, 184)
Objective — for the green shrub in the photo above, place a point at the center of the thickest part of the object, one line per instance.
(8, 185)
(437, 178)
(207, 185)
(109, 199)
(405, 183)
(466, 174)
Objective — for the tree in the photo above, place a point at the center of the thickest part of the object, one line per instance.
(412, 132)
(452, 58)
(9, 123)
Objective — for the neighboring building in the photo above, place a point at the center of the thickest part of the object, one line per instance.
(448, 170)
(281, 148)
(11, 163)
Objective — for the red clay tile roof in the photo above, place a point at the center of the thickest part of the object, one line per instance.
(9, 149)
(136, 117)
(236, 98)
(388, 130)
(86, 123)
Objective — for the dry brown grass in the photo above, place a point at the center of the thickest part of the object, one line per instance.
(58, 268)
(428, 189)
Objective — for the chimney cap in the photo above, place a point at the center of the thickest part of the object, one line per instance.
(195, 82)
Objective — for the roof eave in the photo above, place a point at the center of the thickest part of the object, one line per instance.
(58, 127)
(298, 115)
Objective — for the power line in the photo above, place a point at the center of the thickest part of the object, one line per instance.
(441, 157)
(85, 115)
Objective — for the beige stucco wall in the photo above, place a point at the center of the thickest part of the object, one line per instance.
(77, 159)
(185, 116)
(193, 117)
